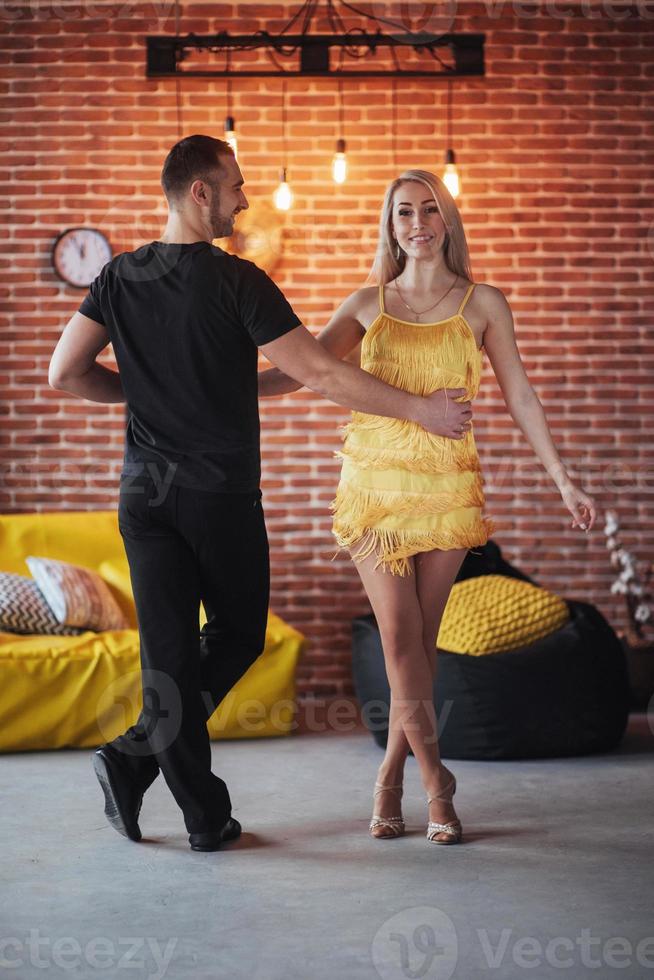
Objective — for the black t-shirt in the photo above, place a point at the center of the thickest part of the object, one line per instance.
(185, 322)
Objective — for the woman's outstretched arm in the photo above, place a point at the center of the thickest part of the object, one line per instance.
(524, 404)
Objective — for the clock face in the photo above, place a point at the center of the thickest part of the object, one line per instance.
(79, 254)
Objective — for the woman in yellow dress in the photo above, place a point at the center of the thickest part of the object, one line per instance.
(409, 504)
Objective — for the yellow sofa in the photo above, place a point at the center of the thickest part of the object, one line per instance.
(84, 690)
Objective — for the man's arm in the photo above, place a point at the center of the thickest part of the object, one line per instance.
(299, 355)
(273, 382)
(318, 364)
(340, 336)
(73, 365)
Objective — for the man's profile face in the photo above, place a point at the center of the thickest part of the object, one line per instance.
(227, 197)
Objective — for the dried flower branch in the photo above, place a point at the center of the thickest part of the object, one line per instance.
(632, 582)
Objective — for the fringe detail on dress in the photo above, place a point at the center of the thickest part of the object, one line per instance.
(361, 508)
(394, 548)
(423, 359)
(437, 458)
(410, 369)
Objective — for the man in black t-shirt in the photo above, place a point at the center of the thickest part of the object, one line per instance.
(185, 320)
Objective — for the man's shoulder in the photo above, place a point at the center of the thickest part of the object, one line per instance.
(148, 262)
(238, 266)
(244, 267)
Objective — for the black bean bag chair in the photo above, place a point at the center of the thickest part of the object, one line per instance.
(565, 694)
(490, 562)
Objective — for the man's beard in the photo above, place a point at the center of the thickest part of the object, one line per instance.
(222, 227)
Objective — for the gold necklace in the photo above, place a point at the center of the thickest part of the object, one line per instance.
(422, 312)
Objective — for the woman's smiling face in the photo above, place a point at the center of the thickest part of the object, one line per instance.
(417, 223)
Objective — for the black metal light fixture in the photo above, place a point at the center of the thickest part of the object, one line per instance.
(400, 54)
(407, 53)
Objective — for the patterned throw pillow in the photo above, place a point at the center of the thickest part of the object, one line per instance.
(23, 608)
(77, 596)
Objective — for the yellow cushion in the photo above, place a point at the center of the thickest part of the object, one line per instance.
(84, 690)
(492, 613)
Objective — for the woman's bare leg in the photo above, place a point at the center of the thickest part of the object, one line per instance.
(435, 575)
(435, 572)
(408, 612)
(397, 609)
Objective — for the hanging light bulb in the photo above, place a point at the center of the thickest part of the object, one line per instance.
(283, 196)
(339, 163)
(451, 174)
(230, 134)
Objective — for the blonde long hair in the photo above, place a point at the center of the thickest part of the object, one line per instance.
(457, 258)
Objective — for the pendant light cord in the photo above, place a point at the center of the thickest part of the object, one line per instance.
(341, 110)
(449, 113)
(178, 83)
(394, 124)
(285, 161)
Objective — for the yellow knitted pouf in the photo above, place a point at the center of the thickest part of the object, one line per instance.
(492, 613)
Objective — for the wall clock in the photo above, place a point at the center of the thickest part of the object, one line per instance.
(79, 254)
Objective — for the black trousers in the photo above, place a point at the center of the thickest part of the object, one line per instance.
(185, 546)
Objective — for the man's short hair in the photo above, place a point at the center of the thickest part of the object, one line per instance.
(193, 158)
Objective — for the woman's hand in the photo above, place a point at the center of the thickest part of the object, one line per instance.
(581, 506)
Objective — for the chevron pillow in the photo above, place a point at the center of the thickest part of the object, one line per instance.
(77, 596)
(23, 608)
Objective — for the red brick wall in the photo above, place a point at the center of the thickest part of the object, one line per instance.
(555, 149)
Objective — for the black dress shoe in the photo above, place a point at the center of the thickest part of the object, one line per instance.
(122, 799)
(212, 840)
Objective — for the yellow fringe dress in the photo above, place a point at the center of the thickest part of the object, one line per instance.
(402, 489)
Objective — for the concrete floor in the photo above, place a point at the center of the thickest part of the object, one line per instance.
(554, 877)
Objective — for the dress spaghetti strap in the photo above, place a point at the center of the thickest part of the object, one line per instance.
(381, 298)
(465, 298)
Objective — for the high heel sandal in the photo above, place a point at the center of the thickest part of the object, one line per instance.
(394, 825)
(453, 828)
